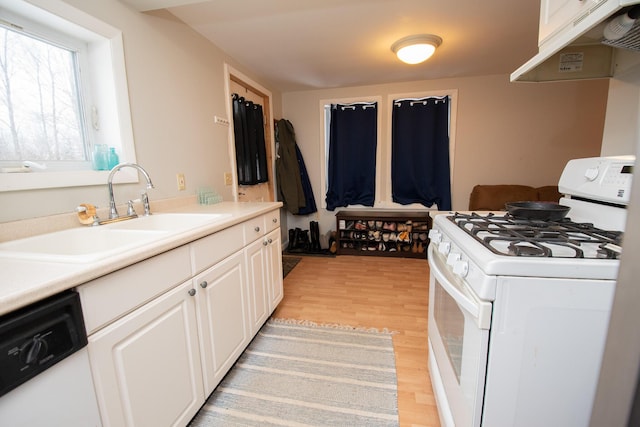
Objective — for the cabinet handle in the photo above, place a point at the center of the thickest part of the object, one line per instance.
(257, 229)
(270, 241)
(265, 243)
(204, 284)
(274, 220)
(192, 292)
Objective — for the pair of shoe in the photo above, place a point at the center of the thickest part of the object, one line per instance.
(333, 246)
(389, 226)
(298, 240)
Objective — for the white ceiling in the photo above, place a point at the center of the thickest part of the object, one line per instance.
(313, 44)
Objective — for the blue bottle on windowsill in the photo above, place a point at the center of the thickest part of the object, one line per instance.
(113, 158)
(101, 157)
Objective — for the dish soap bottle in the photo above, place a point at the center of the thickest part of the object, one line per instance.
(113, 158)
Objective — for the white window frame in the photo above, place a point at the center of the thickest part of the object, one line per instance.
(324, 132)
(108, 91)
(453, 108)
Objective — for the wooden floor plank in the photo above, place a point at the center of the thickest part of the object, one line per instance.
(374, 292)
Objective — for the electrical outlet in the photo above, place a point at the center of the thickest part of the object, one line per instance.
(228, 178)
(181, 183)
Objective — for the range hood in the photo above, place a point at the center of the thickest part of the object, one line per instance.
(579, 50)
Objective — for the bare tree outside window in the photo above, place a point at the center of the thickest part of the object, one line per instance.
(40, 108)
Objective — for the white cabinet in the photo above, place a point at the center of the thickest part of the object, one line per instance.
(556, 15)
(163, 332)
(223, 316)
(273, 260)
(264, 261)
(257, 283)
(146, 365)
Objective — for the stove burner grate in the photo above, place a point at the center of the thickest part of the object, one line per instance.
(505, 235)
(525, 250)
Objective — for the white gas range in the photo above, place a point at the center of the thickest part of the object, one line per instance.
(519, 308)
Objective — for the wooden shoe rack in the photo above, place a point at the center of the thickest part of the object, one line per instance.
(383, 233)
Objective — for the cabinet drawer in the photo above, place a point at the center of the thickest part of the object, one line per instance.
(272, 220)
(254, 229)
(110, 297)
(207, 251)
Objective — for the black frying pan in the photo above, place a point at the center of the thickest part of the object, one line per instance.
(542, 211)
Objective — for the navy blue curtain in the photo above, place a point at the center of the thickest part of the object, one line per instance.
(310, 201)
(420, 152)
(352, 155)
(248, 130)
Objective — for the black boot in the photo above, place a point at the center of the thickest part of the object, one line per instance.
(318, 246)
(295, 246)
(303, 244)
(292, 240)
(315, 236)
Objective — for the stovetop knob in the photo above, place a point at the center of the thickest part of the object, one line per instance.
(452, 258)
(435, 236)
(444, 248)
(461, 268)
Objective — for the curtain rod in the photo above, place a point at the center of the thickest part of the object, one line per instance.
(353, 105)
(422, 101)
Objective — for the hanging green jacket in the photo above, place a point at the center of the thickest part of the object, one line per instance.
(290, 190)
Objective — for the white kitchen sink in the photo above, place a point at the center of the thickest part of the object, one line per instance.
(91, 244)
(174, 222)
(87, 244)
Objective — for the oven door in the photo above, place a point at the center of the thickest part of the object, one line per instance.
(458, 344)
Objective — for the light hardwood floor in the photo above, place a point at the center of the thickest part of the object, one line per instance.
(373, 292)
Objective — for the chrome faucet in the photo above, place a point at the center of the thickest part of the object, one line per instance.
(113, 212)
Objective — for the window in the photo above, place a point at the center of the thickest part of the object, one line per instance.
(385, 196)
(41, 116)
(351, 154)
(420, 161)
(62, 91)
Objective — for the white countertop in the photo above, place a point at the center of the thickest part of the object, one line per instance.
(23, 282)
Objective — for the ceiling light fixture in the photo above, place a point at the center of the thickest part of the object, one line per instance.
(416, 49)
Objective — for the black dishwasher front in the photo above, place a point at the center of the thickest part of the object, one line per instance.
(36, 337)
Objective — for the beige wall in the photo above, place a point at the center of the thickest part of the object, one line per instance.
(507, 133)
(176, 84)
(622, 126)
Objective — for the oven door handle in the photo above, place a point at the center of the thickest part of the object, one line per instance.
(478, 309)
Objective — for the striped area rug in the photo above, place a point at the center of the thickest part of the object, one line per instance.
(299, 374)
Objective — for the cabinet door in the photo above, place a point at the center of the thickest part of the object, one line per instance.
(146, 366)
(557, 14)
(273, 261)
(222, 316)
(257, 284)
